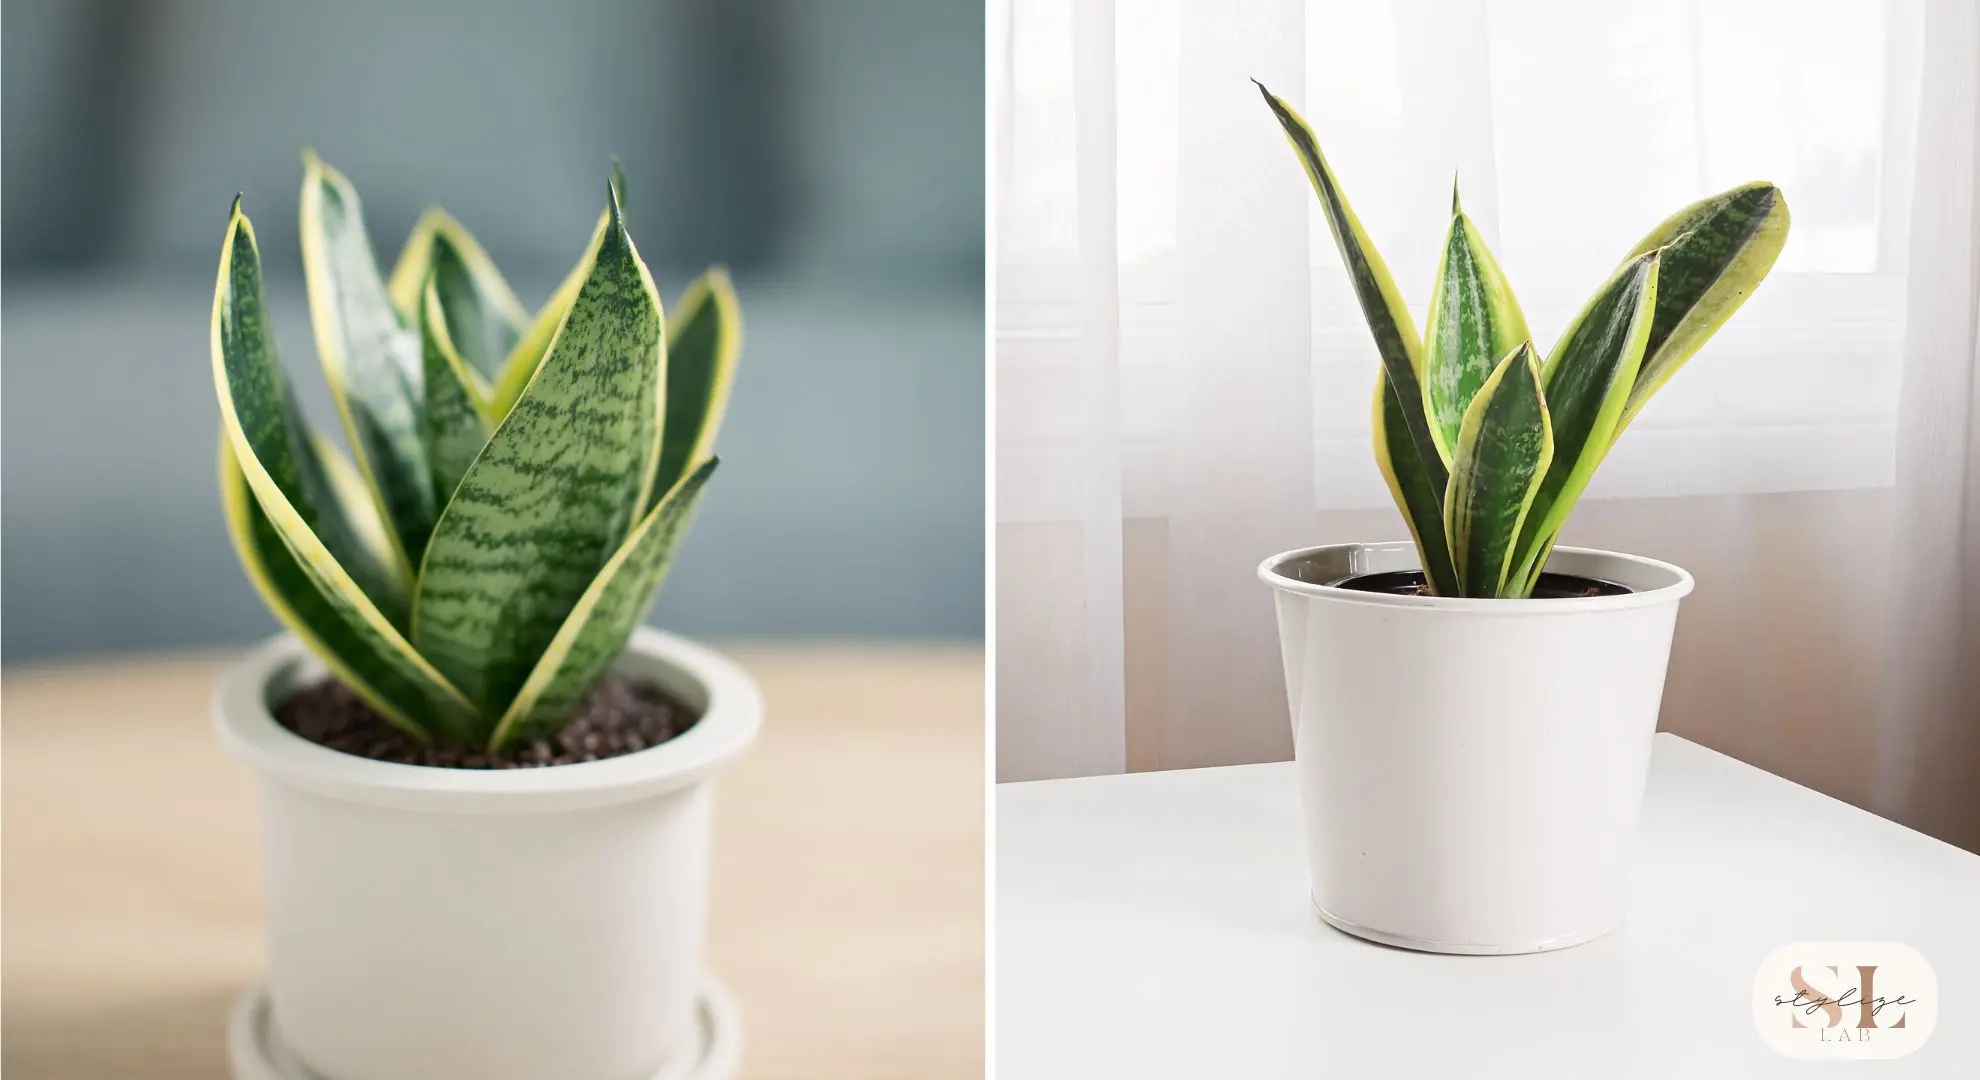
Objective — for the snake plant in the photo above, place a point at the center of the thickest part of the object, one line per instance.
(1485, 443)
(517, 483)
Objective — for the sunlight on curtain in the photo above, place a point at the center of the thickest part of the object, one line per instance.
(1182, 389)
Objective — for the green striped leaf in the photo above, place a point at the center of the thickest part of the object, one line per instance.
(704, 340)
(1716, 251)
(1415, 492)
(535, 341)
(386, 676)
(484, 317)
(1474, 322)
(1587, 381)
(371, 361)
(596, 630)
(555, 491)
(1381, 304)
(452, 424)
(1503, 450)
(278, 460)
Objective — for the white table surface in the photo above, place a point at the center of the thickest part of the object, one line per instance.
(1157, 925)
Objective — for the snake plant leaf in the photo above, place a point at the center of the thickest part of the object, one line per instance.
(255, 398)
(535, 341)
(371, 361)
(1474, 321)
(386, 676)
(1587, 381)
(555, 491)
(367, 529)
(1503, 450)
(1381, 303)
(483, 315)
(452, 424)
(596, 630)
(1416, 494)
(704, 340)
(1716, 251)
(290, 485)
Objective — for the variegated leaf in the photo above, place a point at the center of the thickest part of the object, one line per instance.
(484, 317)
(283, 479)
(1715, 253)
(704, 340)
(371, 361)
(1474, 322)
(1503, 450)
(1381, 304)
(555, 491)
(1412, 488)
(452, 424)
(1587, 380)
(385, 676)
(522, 361)
(596, 630)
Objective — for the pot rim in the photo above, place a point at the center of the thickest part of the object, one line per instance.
(729, 722)
(1650, 581)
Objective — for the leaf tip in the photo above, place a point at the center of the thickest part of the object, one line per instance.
(615, 205)
(1456, 207)
(234, 211)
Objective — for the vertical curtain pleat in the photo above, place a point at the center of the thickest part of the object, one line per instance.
(1928, 744)
(1241, 464)
(1102, 736)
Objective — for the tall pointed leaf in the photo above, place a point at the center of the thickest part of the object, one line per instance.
(1503, 450)
(1416, 494)
(704, 340)
(535, 341)
(1716, 251)
(371, 361)
(1381, 304)
(288, 484)
(484, 317)
(596, 630)
(1587, 381)
(452, 424)
(1474, 322)
(555, 491)
(528, 352)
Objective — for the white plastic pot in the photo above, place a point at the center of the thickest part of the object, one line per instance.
(527, 924)
(1471, 770)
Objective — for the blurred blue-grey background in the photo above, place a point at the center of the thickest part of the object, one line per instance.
(830, 151)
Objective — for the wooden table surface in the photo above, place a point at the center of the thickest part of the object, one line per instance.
(847, 912)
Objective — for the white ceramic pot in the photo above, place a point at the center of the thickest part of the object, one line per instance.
(527, 924)
(1471, 770)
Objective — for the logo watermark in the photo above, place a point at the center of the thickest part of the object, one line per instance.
(1845, 999)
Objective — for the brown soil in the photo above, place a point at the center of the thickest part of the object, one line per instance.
(619, 717)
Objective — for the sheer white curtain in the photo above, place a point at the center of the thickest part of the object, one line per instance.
(1929, 743)
(1183, 376)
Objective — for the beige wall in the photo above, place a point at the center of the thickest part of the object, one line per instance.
(1777, 658)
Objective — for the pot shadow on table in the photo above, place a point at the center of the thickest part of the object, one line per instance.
(134, 1038)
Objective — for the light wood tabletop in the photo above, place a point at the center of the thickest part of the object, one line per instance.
(847, 907)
